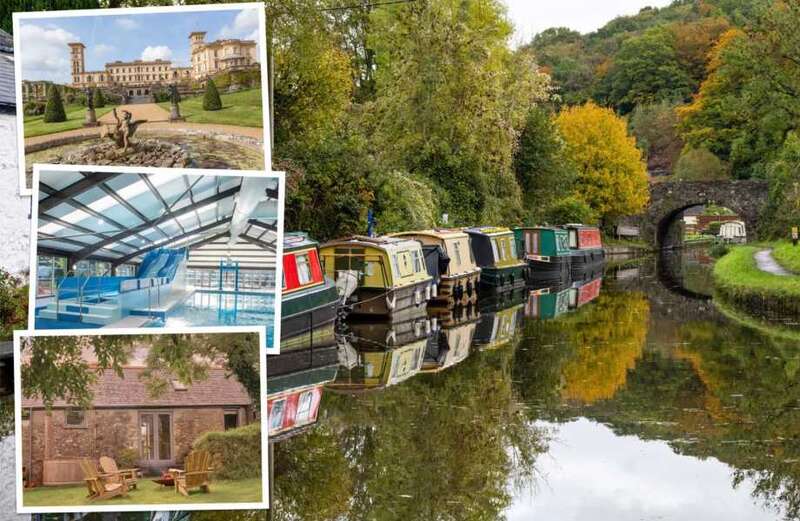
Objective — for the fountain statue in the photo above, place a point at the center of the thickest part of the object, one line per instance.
(174, 98)
(91, 117)
(123, 131)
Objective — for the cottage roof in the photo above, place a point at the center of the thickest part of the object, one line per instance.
(130, 391)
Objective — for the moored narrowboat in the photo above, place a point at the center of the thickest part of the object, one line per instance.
(449, 347)
(548, 303)
(378, 275)
(374, 370)
(457, 272)
(586, 247)
(495, 252)
(546, 251)
(584, 292)
(309, 300)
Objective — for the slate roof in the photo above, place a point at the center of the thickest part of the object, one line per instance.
(6, 69)
(129, 391)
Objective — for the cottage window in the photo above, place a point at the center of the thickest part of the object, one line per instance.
(303, 269)
(75, 418)
(231, 419)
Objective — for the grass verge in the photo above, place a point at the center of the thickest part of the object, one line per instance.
(770, 329)
(147, 493)
(76, 114)
(787, 255)
(241, 108)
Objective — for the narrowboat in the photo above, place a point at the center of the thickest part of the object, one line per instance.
(294, 390)
(390, 334)
(546, 251)
(457, 272)
(500, 319)
(309, 300)
(586, 247)
(495, 252)
(584, 292)
(449, 347)
(377, 369)
(548, 303)
(378, 275)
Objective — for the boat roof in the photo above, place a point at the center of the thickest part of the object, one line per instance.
(438, 233)
(489, 230)
(579, 225)
(553, 228)
(297, 240)
(382, 242)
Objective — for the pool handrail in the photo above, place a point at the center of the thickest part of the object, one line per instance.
(66, 276)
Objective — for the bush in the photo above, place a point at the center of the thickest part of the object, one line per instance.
(54, 111)
(569, 210)
(127, 458)
(211, 99)
(99, 99)
(403, 202)
(718, 249)
(698, 164)
(13, 304)
(236, 453)
(713, 228)
(34, 108)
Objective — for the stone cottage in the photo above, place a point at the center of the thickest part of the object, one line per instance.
(125, 422)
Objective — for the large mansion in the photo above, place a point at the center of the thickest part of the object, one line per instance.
(138, 77)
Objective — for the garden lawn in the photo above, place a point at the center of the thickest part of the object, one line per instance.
(148, 493)
(241, 108)
(787, 255)
(737, 275)
(76, 115)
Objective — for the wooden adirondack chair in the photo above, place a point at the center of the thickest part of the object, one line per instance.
(101, 486)
(195, 474)
(129, 476)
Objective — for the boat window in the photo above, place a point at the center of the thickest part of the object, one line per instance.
(303, 269)
(404, 262)
(457, 252)
(493, 242)
(573, 238)
(276, 415)
(512, 248)
(500, 248)
(416, 255)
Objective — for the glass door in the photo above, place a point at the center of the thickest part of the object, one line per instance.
(155, 438)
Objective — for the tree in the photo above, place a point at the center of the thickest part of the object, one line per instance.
(451, 99)
(612, 178)
(99, 99)
(569, 209)
(54, 110)
(541, 167)
(656, 129)
(698, 164)
(13, 304)
(403, 202)
(211, 99)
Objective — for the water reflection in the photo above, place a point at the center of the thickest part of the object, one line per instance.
(621, 397)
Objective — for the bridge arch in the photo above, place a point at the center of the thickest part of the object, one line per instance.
(669, 199)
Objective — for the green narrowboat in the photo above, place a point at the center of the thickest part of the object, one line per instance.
(546, 251)
(457, 283)
(548, 303)
(495, 252)
(586, 247)
(309, 300)
(378, 275)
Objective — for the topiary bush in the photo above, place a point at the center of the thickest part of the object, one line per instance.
(235, 453)
(54, 111)
(211, 99)
(99, 99)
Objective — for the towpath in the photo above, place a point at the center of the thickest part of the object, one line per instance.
(766, 262)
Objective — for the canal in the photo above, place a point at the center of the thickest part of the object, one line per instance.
(642, 402)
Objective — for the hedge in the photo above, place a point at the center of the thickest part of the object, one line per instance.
(235, 453)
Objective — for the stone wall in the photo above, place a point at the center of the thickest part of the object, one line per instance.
(15, 210)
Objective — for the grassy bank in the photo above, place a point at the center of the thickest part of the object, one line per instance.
(76, 115)
(241, 108)
(614, 245)
(787, 255)
(738, 279)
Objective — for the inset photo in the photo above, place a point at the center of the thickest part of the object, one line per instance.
(177, 87)
(118, 423)
(122, 248)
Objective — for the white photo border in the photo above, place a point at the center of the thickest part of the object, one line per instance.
(24, 190)
(265, 485)
(34, 246)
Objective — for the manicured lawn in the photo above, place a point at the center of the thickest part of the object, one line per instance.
(787, 255)
(737, 275)
(76, 114)
(241, 108)
(148, 493)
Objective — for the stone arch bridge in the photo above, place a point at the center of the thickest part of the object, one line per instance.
(668, 199)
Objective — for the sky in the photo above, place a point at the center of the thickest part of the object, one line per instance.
(533, 16)
(44, 53)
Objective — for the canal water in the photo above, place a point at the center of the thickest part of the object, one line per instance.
(643, 403)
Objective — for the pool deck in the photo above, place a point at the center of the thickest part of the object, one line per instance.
(130, 321)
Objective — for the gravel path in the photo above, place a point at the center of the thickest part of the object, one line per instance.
(766, 262)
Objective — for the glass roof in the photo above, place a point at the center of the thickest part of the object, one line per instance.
(122, 216)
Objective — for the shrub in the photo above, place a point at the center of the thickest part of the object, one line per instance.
(54, 111)
(713, 228)
(403, 202)
(698, 164)
(127, 458)
(13, 304)
(34, 108)
(236, 453)
(718, 249)
(569, 210)
(211, 99)
(99, 99)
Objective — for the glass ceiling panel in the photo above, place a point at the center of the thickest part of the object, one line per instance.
(59, 179)
(147, 204)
